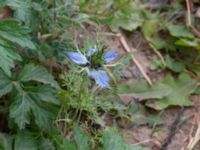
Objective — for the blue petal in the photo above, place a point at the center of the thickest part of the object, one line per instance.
(110, 56)
(101, 78)
(91, 52)
(77, 57)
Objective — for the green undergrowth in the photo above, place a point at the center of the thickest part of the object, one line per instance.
(48, 103)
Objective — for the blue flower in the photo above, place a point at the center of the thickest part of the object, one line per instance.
(100, 76)
(78, 58)
(94, 70)
(110, 56)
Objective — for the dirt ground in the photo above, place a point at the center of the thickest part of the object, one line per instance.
(154, 138)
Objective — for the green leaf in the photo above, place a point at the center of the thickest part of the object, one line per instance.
(12, 31)
(32, 104)
(179, 95)
(188, 43)
(5, 142)
(46, 93)
(32, 72)
(68, 145)
(5, 84)
(179, 31)
(81, 139)
(149, 28)
(163, 93)
(25, 141)
(47, 144)
(113, 141)
(2, 3)
(174, 65)
(141, 90)
(197, 91)
(8, 57)
(22, 9)
(141, 115)
(128, 17)
(20, 109)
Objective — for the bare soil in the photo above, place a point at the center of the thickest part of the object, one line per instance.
(154, 138)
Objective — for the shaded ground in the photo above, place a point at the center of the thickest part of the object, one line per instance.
(154, 138)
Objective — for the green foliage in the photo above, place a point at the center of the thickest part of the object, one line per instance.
(180, 91)
(140, 115)
(81, 139)
(32, 72)
(24, 140)
(12, 32)
(174, 65)
(113, 141)
(31, 100)
(5, 142)
(43, 95)
(164, 93)
(179, 31)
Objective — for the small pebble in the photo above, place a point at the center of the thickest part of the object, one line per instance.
(126, 74)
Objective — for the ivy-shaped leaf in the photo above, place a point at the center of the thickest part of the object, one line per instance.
(163, 93)
(179, 95)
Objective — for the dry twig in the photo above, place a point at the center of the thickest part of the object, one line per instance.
(128, 49)
(189, 20)
(196, 138)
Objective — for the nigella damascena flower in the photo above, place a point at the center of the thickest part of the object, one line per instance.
(93, 62)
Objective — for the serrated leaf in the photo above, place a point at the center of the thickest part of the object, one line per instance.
(81, 139)
(5, 142)
(47, 94)
(5, 84)
(179, 95)
(8, 57)
(32, 72)
(25, 141)
(22, 8)
(179, 31)
(30, 104)
(20, 109)
(43, 117)
(12, 31)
